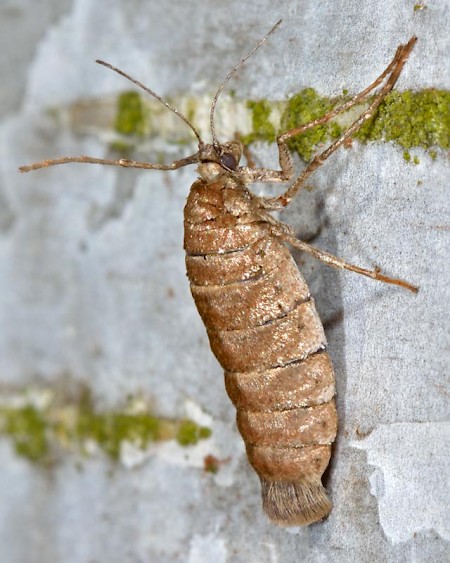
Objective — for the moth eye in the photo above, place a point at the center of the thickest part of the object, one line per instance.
(228, 161)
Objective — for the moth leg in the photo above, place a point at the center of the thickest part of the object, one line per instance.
(286, 234)
(125, 163)
(393, 71)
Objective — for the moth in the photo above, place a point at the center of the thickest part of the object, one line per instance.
(259, 315)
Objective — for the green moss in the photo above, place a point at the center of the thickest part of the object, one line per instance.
(189, 433)
(110, 429)
(75, 423)
(262, 128)
(27, 428)
(411, 119)
(304, 107)
(407, 156)
(204, 433)
(416, 160)
(132, 116)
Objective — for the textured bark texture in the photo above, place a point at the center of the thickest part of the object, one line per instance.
(93, 287)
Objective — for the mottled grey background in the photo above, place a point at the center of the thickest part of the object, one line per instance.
(92, 286)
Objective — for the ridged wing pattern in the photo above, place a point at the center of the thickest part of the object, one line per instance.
(265, 331)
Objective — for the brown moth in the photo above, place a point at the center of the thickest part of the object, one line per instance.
(259, 315)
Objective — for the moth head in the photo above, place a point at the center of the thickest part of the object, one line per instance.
(219, 159)
(227, 155)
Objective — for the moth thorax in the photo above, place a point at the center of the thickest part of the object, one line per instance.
(210, 171)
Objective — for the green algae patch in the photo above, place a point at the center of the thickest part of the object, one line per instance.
(27, 428)
(40, 434)
(109, 430)
(411, 119)
(262, 128)
(189, 433)
(132, 115)
(302, 108)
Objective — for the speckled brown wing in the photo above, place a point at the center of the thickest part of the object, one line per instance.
(265, 331)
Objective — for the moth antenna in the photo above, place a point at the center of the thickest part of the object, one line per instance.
(155, 95)
(221, 87)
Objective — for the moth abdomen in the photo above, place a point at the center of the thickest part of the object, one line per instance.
(297, 384)
(292, 337)
(295, 428)
(265, 331)
(253, 302)
(286, 464)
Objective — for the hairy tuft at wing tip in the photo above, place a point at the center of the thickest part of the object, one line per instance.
(295, 503)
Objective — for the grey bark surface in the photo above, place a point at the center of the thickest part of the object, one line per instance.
(93, 286)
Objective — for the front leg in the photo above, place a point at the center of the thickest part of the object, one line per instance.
(392, 72)
(250, 174)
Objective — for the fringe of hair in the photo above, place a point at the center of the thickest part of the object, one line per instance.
(295, 503)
